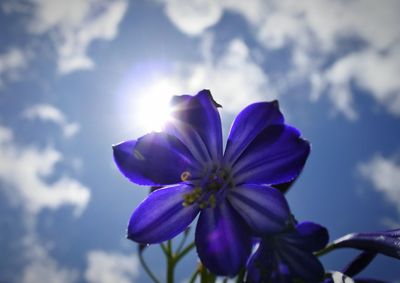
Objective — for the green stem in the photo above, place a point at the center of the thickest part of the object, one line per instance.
(170, 262)
(169, 246)
(206, 276)
(212, 277)
(184, 252)
(180, 246)
(164, 249)
(330, 247)
(170, 269)
(194, 276)
(240, 277)
(203, 275)
(146, 268)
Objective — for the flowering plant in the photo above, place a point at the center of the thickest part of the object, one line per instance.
(245, 228)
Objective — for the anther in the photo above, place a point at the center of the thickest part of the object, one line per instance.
(185, 176)
(191, 197)
(203, 205)
(212, 200)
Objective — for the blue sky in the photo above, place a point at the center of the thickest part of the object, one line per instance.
(76, 77)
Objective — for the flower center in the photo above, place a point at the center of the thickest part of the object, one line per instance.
(208, 188)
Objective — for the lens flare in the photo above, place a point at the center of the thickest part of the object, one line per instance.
(153, 109)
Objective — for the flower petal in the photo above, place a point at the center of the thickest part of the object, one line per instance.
(359, 263)
(161, 216)
(276, 155)
(302, 264)
(248, 124)
(260, 265)
(148, 160)
(285, 187)
(193, 141)
(263, 208)
(386, 242)
(310, 236)
(223, 240)
(200, 113)
(265, 266)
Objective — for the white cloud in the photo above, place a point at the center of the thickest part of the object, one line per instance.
(12, 63)
(23, 171)
(10, 6)
(314, 32)
(316, 22)
(71, 27)
(42, 267)
(6, 135)
(313, 28)
(110, 267)
(376, 72)
(74, 24)
(47, 112)
(384, 174)
(196, 16)
(234, 77)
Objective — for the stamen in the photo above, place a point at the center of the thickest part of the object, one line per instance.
(214, 186)
(224, 175)
(191, 197)
(185, 176)
(212, 200)
(203, 204)
(209, 187)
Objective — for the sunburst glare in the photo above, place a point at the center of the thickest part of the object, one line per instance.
(153, 106)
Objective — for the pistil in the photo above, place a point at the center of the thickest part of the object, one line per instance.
(208, 190)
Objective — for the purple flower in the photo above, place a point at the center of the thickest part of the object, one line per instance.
(231, 190)
(353, 268)
(386, 242)
(289, 255)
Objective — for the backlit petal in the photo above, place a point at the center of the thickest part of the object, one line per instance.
(302, 264)
(191, 138)
(260, 265)
(248, 124)
(386, 242)
(200, 113)
(161, 216)
(223, 240)
(276, 155)
(148, 160)
(359, 263)
(263, 208)
(310, 236)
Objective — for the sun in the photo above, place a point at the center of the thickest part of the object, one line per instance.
(153, 108)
